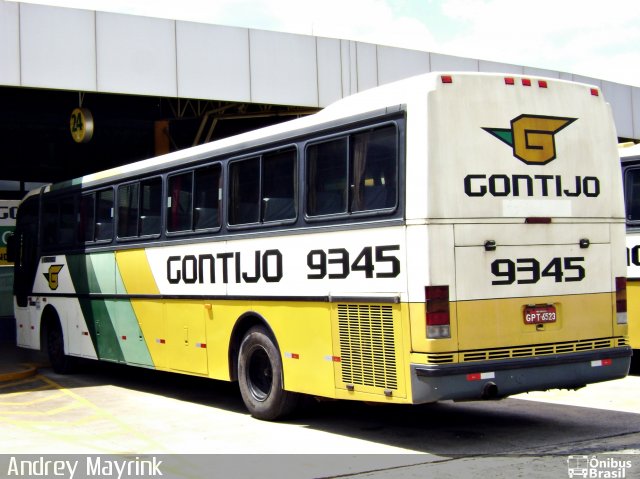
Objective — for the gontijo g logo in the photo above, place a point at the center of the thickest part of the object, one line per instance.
(52, 275)
(532, 137)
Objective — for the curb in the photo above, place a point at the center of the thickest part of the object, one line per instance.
(28, 371)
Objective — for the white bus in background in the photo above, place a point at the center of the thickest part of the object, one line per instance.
(8, 212)
(630, 161)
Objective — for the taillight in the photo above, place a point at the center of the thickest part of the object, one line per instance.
(437, 312)
(621, 300)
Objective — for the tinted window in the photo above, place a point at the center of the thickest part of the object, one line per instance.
(206, 197)
(87, 218)
(104, 215)
(139, 207)
(263, 189)
(128, 210)
(180, 202)
(353, 174)
(59, 222)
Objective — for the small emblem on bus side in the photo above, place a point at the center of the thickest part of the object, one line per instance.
(52, 275)
(532, 137)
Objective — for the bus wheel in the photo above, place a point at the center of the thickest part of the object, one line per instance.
(260, 377)
(60, 362)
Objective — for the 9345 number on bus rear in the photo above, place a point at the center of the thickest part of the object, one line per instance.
(530, 271)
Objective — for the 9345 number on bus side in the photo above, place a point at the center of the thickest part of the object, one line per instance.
(371, 262)
(530, 270)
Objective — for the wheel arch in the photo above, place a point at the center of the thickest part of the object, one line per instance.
(243, 324)
(49, 319)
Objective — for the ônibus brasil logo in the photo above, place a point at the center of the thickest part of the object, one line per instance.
(532, 137)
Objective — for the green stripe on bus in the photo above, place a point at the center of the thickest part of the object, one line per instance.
(132, 340)
(95, 311)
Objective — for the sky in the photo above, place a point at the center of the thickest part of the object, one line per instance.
(593, 38)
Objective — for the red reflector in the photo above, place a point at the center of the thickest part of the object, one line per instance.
(595, 92)
(446, 79)
(606, 362)
(509, 81)
(526, 82)
(473, 377)
(537, 220)
(542, 84)
(124, 338)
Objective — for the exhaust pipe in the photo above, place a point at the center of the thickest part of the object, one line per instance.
(489, 391)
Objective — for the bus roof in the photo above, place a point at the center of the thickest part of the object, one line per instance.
(383, 99)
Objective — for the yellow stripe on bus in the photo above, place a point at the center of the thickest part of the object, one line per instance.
(138, 279)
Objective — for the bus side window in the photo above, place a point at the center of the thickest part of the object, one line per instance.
(150, 206)
(179, 202)
(278, 185)
(244, 190)
(327, 174)
(50, 222)
(361, 168)
(128, 210)
(104, 215)
(87, 218)
(67, 221)
(373, 167)
(206, 200)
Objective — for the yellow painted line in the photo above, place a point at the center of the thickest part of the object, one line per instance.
(74, 438)
(33, 401)
(52, 412)
(18, 383)
(24, 393)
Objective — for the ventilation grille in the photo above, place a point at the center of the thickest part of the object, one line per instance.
(367, 345)
(542, 349)
(528, 351)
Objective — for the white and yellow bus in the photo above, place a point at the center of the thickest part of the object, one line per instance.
(449, 236)
(630, 158)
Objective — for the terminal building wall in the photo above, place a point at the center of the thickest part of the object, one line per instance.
(71, 49)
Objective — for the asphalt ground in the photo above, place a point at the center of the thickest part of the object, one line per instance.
(196, 426)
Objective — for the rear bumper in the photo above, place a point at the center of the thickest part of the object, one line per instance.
(501, 378)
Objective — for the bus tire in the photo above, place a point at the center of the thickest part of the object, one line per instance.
(261, 379)
(60, 362)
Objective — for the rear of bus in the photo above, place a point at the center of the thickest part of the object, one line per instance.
(523, 284)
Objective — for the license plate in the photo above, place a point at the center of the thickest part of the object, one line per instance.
(540, 314)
